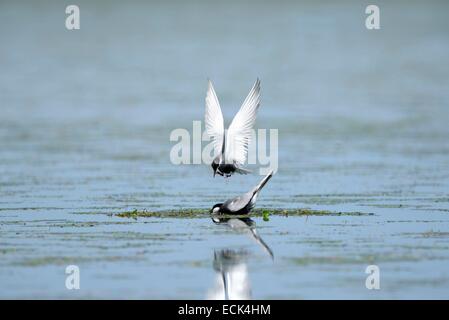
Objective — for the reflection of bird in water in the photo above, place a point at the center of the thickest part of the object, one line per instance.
(232, 281)
(245, 225)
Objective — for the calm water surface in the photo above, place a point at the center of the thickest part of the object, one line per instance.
(85, 119)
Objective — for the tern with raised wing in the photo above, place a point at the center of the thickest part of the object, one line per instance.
(231, 147)
(243, 204)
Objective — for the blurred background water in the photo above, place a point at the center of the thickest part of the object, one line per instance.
(85, 119)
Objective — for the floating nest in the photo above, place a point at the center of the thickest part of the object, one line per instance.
(204, 213)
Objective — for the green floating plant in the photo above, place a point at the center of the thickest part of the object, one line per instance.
(266, 215)
(204, 213)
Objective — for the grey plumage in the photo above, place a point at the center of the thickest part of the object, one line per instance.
(242, 204)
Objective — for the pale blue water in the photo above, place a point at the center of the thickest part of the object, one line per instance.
(85, 119)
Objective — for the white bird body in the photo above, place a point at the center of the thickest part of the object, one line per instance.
(231, 147)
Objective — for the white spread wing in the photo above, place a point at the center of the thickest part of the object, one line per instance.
(214, 119)
(239, 133)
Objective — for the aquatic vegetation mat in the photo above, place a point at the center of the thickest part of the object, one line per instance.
(204, 213)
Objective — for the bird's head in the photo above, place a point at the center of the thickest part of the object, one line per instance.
(216, 208)
(215, 167)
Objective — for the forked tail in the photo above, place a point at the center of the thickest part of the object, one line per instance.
(242, 170)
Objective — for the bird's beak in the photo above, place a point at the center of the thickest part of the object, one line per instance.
(215, 172)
